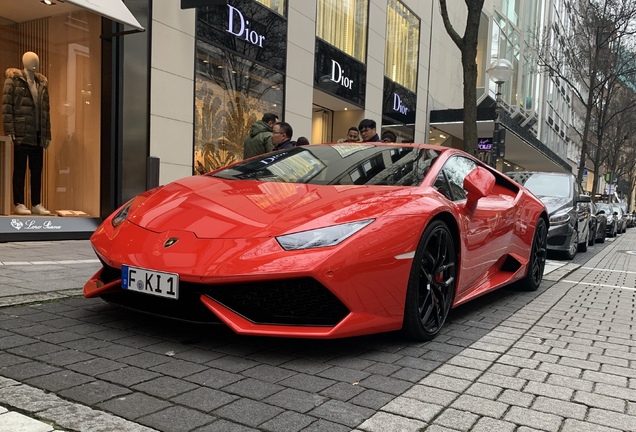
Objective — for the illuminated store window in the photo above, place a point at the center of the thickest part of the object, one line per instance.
(68, 47)
(275, 5)
(402, 45)
(231, 94)
(344, 25)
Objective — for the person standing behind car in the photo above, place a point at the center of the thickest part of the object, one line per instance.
(282, 135)
(353, 135)
(389, 137)
(259, 138)
(301, 141)
(367, 131)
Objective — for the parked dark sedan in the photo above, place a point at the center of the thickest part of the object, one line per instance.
(598, 225)
(622, 218)
(568, 208)
(612, 219)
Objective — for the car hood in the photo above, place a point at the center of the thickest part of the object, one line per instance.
(217, 208)
(554, 204)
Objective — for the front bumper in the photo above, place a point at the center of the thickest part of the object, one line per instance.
(256, 288)
(560, 236)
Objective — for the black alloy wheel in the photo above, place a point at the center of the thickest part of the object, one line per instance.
(538, 253)
(601, 238)
(431, 287)
(591, 239)
(582, 247)
(574, 245)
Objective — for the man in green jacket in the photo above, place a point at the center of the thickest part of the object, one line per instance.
(259, 138)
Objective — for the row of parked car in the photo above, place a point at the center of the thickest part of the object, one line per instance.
(576, 221)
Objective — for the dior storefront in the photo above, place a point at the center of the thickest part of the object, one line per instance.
(239, 74)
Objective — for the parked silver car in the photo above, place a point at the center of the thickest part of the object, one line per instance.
(568, 208)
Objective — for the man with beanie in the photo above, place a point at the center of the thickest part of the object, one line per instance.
(259, 138)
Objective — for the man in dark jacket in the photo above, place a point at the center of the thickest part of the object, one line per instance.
(259, 138)
(282, 136)
(367, 131)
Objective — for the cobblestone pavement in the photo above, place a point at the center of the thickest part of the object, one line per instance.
(559, 359)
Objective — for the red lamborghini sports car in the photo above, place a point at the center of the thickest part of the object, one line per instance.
(324, 241)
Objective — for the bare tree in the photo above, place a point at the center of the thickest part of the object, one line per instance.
(584, 56)
(614, 120)
(467, 44)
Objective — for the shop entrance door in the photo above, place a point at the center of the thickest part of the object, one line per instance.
(321, 125)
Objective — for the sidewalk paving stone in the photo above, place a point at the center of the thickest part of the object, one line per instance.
(559, 359)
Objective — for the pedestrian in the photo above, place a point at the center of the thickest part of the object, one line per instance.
(353, 135)
(302, 141)
(259, 138)
(389, 136)
(367, 131)
(282, 135)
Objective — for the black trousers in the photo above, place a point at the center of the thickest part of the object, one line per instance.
(35, 157)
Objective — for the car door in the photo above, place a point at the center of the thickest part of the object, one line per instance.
(582, 204)
(485, 230)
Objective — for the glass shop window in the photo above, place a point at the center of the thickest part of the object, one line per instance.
(343, 24)
(68, 50)
(231, 94)
(402, 45)
(277, 6)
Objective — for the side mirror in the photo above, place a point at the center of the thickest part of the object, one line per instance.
(615, 213)
(585, 198)
(478, 184)
(600, 212)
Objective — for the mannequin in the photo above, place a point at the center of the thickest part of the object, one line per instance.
(26, 119)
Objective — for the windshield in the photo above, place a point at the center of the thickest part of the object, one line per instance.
(343, 164)
(545, 184)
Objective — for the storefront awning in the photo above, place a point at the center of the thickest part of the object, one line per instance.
(113, 9)
(522, 147)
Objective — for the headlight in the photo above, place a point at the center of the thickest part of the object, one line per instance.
(558, 219)
(321, 237)
(121, 215)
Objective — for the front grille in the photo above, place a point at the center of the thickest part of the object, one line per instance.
(188, 308)
(557, 240)
(301, 301)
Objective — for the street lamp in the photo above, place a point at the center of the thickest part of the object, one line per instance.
(500, 71)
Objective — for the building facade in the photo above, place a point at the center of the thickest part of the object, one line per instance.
(146, 108)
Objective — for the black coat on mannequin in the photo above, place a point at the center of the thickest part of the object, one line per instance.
(19, 109)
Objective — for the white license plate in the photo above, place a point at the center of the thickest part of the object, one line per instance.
(151, 282)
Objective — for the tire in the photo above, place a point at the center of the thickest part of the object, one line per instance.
(602, 238)
(574, 243)
(591, 239)
(582, 247)
(431, 287)
(538, 253)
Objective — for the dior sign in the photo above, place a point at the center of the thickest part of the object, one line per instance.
(398, 105)
(338, 77)
(239, 26)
